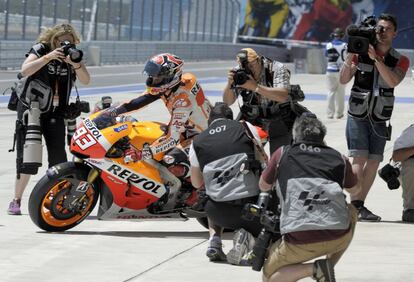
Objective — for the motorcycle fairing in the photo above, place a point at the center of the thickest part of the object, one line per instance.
(127, 182)
(89, 140)
(116, 212)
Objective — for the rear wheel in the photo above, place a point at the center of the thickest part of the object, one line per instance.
(62, 202)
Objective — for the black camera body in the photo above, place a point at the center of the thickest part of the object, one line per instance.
(73, 110)
(241, 74)
(268, 234)
(361, 36)
(296, 93)
(389, 173)
(68, 48)
(240, 77)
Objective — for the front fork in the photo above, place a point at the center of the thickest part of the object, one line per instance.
(78, 196)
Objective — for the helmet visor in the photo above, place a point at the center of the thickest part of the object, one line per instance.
(156, 75)
(152, 69)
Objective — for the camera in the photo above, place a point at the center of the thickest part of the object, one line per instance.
(241, 74)
(270, 232)
(73, 110)
(362, 35)
(68, 48)
(296, 93)
(106, 102)
(70, 129)
(389, 173)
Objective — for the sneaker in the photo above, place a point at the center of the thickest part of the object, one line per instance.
(243, 243)
(339, 116)
(408, 215)
(365, 214)
(323, 271)
(329, 116)
(215, 251)
(14, 207)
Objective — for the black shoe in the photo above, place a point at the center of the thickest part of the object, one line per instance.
(215, 251)
(215, 254)
(365, 214)
(323, 271)
(408, 215)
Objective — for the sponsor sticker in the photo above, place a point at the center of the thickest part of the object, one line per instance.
(121, 128)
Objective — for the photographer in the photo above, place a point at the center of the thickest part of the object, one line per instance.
(315, 219)
(104, 103)
(230, 175)
(269, 101)
(50, 62)
(404, 152)
(371, 102)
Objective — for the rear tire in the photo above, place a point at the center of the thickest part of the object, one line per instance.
(47, 206)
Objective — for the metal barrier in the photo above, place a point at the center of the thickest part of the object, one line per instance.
(127, 20)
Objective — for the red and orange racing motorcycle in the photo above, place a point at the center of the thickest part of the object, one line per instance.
(142, 190)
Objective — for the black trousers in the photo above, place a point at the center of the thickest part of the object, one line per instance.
(280, 134)
(54, 132)
(279, 129)
(228, 215)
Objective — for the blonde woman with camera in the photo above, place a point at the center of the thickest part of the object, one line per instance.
(55, 63)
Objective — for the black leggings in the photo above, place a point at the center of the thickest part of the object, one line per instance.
(228, 216)
(53, 130)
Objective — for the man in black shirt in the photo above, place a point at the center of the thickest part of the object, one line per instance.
(225, 160)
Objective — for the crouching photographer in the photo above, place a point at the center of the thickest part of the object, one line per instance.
(315, 219)
(269, 101)
(226, 159)
(46, 80)
(403, 152)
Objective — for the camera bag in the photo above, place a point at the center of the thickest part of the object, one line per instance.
(30, 89)
(13, 100)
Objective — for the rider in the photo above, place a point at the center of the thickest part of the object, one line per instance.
(185, 101)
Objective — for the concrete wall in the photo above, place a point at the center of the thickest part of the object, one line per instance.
(305, 60)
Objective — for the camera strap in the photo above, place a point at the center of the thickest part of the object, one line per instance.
(77, 94)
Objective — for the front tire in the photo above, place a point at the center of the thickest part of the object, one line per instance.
(53, 206)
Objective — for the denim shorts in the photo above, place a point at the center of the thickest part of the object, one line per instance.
(366, 138)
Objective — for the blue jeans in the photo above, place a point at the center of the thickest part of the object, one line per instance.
(366, 138)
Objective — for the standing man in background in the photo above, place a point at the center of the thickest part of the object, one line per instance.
(335, 53)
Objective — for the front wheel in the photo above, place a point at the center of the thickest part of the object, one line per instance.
(60, 202)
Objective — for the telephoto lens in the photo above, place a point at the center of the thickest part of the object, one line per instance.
(70, 129)
(261, 244)
(68, 48)
(263, 200)
(32, 148)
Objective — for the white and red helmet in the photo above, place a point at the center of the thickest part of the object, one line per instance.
(164, 72)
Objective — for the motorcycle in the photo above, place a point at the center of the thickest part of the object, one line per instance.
(143, 190)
